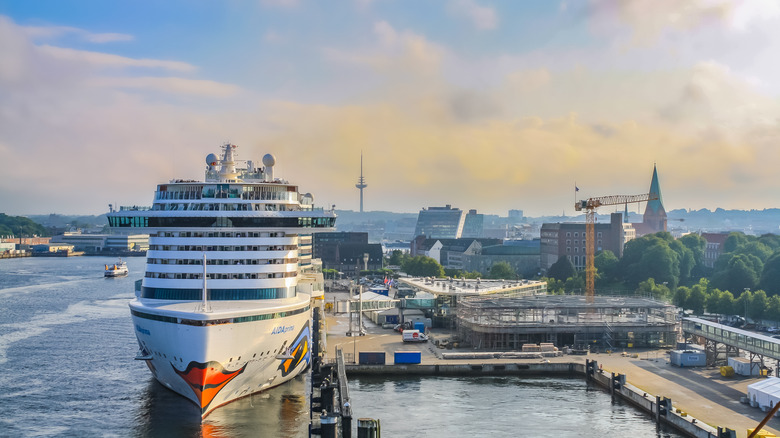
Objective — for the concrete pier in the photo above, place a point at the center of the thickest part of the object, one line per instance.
(701, 393)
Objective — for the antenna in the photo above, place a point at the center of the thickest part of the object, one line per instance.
(361, 182)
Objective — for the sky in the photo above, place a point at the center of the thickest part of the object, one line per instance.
(486, 105)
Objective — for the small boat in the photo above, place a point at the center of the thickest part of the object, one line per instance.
(118, 269)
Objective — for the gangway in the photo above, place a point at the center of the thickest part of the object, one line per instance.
(757, 345)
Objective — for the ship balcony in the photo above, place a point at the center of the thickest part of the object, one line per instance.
(224, 241)
(221, 284)
(221, 255)
(223, 269)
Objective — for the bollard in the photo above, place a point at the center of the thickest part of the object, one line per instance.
(329, 425)
(346, 426)
(327, 396)
(368, 428)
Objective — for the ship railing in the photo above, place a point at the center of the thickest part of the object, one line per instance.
(134, 208)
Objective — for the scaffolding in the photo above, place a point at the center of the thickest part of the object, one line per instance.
(566, 320)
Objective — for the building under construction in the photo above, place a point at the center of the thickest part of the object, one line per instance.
(566, 320)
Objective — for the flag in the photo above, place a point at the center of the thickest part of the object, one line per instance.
(576, 189)
(385, 279)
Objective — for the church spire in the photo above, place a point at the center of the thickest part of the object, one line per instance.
(655, 214)
(655, 189)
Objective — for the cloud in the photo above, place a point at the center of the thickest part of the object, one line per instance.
(403, 53)
(271, 36)
(280, 3)
(55, 32)
(482, 17)
(491, 133)
(109, 60)
(194, 87)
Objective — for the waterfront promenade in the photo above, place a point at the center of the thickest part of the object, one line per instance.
(701, 392)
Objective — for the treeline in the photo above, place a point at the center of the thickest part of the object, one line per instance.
(19, 225)
(745, 276)
(424, 266)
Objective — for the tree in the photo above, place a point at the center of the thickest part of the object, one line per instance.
(721, 302)
(685, 259)
(554, 287)
(657, 291)
(697, 245)
(681, 295)
(696, 300)
(741, 272)
(734, 240)
(653, 256)
(742, 303)
(397, 257)
(770, 277)
(562, 270)
(576, 283)
(502, 270)
(422, 266)
(20, 225)
(606, 265)
(758, 305)
(773, 308)
(726, 303)
(772, 241)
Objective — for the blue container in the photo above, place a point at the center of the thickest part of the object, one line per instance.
(371, 358)
(419, 326)
(391, 319)
(407, 357)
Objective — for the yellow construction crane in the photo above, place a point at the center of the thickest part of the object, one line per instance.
(590, 205)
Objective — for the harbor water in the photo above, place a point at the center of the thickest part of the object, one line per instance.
(67, 348)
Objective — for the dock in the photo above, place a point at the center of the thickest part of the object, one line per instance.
(702, 394)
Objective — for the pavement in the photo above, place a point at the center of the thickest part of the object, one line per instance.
(701, 392)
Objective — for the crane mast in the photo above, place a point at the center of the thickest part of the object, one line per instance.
(590, 205)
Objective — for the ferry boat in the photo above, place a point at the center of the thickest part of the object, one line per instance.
(224, 308)
(118, 269)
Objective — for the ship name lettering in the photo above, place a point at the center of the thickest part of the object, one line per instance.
(282, 329)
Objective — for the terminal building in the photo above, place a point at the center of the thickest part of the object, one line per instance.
(564, 320)
(96, 243)
(441, 222)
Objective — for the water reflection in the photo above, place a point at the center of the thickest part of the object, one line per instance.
(281, 411)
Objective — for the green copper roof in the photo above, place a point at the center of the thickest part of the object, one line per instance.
(655, 189)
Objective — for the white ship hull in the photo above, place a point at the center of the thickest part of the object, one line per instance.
(215, 364)
(224, 308)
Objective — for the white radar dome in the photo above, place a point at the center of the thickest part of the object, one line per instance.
(211, 160)
(269, 160)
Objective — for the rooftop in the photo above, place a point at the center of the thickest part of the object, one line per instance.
(479, 287)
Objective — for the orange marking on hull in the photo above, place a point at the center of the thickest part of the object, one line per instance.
(206, 380)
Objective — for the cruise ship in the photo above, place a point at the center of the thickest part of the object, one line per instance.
(224, 308)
